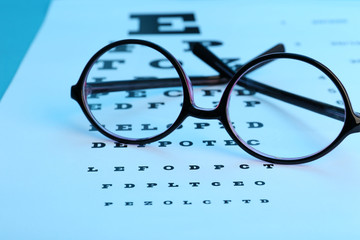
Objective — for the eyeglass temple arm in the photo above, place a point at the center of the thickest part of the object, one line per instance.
(114, 86)
(151, 83)
(224, 70)
(322, 108)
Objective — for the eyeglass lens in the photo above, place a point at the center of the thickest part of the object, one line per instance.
(134, 91)
(286, 130)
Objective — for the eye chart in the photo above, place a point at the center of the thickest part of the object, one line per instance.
(61, 179)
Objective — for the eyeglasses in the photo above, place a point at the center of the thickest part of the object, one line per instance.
(280, 107)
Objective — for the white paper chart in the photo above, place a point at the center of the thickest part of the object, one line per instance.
(61, 179)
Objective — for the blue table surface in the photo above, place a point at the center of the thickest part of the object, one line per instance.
(20, 20)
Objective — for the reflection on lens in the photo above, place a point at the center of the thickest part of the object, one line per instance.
(134, 91)
(277, 129)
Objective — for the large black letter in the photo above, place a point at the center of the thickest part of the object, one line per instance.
(164, 24)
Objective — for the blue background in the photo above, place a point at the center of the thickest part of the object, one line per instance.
(19, 22)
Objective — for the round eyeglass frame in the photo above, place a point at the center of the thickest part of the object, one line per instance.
(189, 108)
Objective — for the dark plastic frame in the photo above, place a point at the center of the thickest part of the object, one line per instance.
(351, 124)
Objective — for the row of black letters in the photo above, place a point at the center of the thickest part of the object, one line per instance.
(156, 105)
(191, 167)
(205, 92)
(184, 143)
(198, 125)
(191, 184)
(188, 202)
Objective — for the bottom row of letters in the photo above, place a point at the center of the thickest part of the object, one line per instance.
(185, 202)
